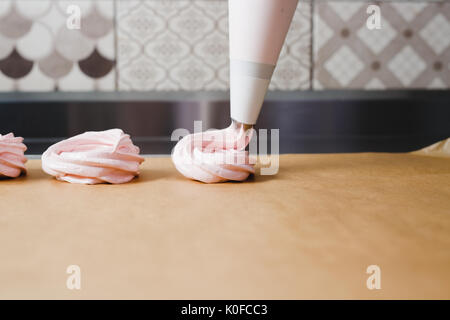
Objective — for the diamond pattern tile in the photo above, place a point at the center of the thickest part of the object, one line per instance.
(344, 65)
(437, 34)
(407, 65)
(377, 39)
(411, 50)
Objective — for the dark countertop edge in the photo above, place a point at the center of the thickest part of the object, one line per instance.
(140, 96)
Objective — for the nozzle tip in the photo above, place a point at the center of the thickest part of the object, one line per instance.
(239, 125)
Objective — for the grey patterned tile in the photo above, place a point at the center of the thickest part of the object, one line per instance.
(183, 45)
(411, 50)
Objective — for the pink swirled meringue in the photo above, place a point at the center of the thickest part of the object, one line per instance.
(214, 156)
(12, 159)
(94, 157)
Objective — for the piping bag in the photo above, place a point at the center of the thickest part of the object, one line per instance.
(257, 31)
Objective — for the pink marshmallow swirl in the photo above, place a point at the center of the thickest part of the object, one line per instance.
(12, 160)
(94, 157)
(214, 156)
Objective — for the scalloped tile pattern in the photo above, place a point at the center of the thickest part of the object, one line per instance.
(38, 52)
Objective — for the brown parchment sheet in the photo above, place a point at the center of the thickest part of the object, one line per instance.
(438, 149)
(310, 231)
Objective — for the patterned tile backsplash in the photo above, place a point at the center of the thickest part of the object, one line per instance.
(39, 53)
(167, 45)
(183, 45)
(410, 50)
(172, 45)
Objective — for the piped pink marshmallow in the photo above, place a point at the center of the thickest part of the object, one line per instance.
(214, 156)
(12, 159)
(94, 157)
